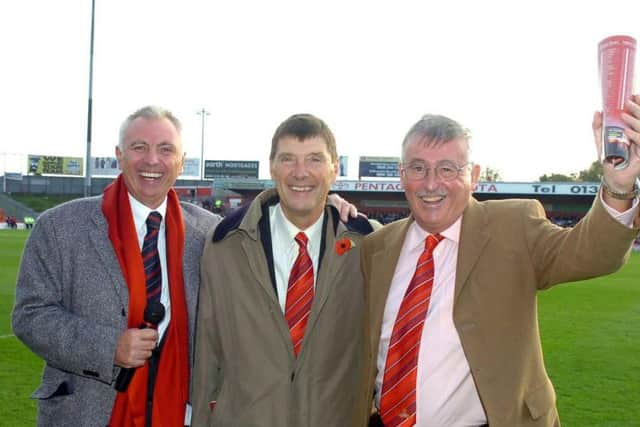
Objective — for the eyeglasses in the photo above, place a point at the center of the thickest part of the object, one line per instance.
(446, 170)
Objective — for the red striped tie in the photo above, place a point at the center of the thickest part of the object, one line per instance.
(299, 294)
(398, 400)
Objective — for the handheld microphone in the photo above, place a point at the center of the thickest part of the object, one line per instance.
(153, 314)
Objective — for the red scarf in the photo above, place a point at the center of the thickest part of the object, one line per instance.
(172, 382)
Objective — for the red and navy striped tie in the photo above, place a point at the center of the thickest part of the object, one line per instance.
(151, 258)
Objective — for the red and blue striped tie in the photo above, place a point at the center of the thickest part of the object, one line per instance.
(398, 399)
(151, 258)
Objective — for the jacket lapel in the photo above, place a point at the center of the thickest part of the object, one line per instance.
(473, 239)
(255, 257)
(190, 261)
(382, 273)
(326, 279)
(106, 253)
(253, 250)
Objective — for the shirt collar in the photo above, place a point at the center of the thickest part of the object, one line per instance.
(140, 212)
(416, 235)
(287, 231)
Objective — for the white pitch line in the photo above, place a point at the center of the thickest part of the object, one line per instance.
(6, 336)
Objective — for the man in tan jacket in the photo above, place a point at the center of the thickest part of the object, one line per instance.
(280, 315)
(452, 332)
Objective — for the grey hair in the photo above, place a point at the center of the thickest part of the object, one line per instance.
(150, 112)
(435, 129)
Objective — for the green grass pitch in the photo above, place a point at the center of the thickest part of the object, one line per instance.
(590, 333)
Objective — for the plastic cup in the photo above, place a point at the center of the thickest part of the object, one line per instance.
(616, 56)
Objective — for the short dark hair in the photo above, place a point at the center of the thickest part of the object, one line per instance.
(304, 126)
(436, 129)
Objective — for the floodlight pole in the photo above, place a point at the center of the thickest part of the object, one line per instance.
(87, 160)
(4, 172)
(202, 113)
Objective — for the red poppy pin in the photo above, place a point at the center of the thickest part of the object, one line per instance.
(344, 245)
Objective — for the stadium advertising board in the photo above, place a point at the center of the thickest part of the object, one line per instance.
(53, 165)
(108, 166)
(379, 167)
(507, 188)
(191, 167)
(231, 169)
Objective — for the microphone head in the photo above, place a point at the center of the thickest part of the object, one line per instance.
(154, 313)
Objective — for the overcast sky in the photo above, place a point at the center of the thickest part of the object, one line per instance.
(521, 75)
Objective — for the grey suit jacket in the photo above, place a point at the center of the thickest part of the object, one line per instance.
(508, 251)
(244, 356)
(72, 302)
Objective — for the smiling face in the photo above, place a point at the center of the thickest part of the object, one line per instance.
(151, 158)
(436, 204)
(303, 171)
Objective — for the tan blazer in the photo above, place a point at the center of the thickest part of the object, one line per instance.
(244, 356)
(508, 251)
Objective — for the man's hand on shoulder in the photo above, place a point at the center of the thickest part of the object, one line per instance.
(345, 208)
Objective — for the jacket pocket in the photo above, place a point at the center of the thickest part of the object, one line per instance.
(541, 400)
(55, 383)
(51, 390)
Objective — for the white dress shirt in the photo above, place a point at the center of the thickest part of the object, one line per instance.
(445, 392)
(285, 248)
(140, 213)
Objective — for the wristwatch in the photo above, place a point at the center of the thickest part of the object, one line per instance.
(621, 196)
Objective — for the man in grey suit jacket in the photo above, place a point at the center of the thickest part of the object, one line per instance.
(253, 366)
(75, 288)
(478, 357)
